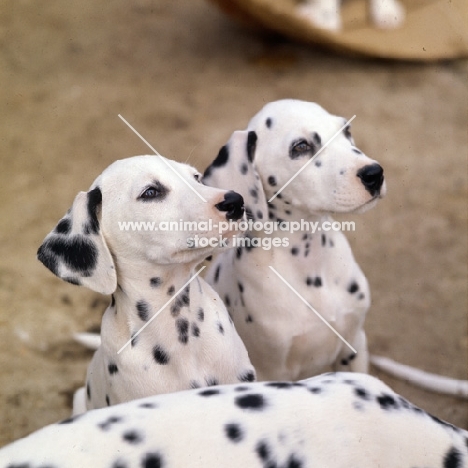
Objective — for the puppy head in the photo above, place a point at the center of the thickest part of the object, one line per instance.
(140, 209)
(339, 179)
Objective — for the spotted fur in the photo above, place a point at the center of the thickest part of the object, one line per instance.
(143, 269)
(284, 338)
(336, 420)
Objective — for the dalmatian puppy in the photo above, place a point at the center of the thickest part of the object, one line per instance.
(192, 342)
(337, 420)
(325, 14)
(284, 338)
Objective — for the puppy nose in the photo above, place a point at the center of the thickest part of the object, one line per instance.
(233, 204)
(372, 177)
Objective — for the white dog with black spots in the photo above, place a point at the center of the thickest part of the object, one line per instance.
(192, 342)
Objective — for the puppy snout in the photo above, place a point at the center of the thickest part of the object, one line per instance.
(233, 204)
(372, 177)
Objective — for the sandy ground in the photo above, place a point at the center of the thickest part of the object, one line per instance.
(186, 77)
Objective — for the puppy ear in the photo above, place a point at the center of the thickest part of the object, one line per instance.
(234, 169)
(76, 250)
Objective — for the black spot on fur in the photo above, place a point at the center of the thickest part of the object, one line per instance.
(240, 286)
(209, 392)
(201, 314)
(216, 275)
(259, 214)
(251, 401)
(353, 287)
(152, 460)
(63, 227)
(346, 361)
(251, 145)
(249, 319)
(182, 325)
(132, 437)
(242, 388)
(109, 422)
(272, 181)
(211, 382)
(293, 462)
(195, 330)
(88, 391)
(112, 368)
(268, 122)
(227, 300)
(387, 402)
(94, 200)
(107, 400)
(453, 459)
(315, 390)
(238, 252)
(362, 393)
(249, 213)
(148, 405)
(317, 281)
(155, 282)
(248, 376)
(134, 340)
(220, 328)
(316, 139)
(263, 451)
(143, 310)
(77, 252)
(324, 240)
(220, 160)
(160, 355)
(281, 385)
(244, 169)
(182, 300)
(234, 432)
(294, 251)
(171, 290)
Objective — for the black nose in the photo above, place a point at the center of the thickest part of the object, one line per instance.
(372, 177)
(233, 204)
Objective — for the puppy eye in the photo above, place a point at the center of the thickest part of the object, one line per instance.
(300, 148)
(154, 192)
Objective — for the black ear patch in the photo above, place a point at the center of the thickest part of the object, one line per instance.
(94, 200)
(251, 145)
(78, 253)
(219, 161)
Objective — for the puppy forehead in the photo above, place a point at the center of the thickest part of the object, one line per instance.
(137, 171)
(290, 116)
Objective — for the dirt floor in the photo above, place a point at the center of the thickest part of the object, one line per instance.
(186, 76)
